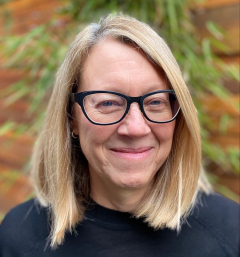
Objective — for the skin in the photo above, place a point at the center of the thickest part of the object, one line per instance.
(123, 158)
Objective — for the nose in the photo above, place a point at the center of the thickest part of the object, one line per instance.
(134, 124)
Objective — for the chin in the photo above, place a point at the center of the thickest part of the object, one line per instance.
(132, 181)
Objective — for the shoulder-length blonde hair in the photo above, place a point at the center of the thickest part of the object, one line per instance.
(59, 170)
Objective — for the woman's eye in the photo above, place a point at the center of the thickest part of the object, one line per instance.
(155, 102)
(105, 104)
(108, 103)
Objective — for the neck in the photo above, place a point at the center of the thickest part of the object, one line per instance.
(117, 198)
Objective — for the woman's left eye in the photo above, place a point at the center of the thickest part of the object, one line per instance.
(156, 102)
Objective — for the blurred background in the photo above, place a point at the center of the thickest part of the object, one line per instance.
(34, 38)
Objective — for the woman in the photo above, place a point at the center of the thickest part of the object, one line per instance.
(117, 167)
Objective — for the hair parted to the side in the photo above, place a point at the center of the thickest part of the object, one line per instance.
(59, 170)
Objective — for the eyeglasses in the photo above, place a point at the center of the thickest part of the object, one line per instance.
(107, 107)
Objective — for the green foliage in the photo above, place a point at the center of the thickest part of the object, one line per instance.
(8, 179)
(40, 52)
(4, 1)
(214, 180)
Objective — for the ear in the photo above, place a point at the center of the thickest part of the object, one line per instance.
(73, 122)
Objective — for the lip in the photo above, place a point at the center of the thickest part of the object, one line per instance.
(131, 153)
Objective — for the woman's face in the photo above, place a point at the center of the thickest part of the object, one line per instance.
(127, 154)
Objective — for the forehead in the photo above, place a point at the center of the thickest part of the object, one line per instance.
(113, 65)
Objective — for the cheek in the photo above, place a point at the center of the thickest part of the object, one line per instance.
(164, 132)
(89, 132)
(89, 135)
(86, 130)
(164, 135)
(93, 137)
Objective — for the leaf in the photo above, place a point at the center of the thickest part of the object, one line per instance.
(218, 90)
(172, 16)
(227, 192)
(15, 96)
(207, 49)
(219, 45)
(215, 30)
(6, 127)
(233, 154)
(224, 123)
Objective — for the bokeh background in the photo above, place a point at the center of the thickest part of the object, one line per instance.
(34, 38)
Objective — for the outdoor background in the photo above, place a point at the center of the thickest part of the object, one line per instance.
(34, 38)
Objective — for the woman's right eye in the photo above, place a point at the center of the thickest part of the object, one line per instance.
(107, 103)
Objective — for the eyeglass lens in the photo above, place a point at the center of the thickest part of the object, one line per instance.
(109, 108)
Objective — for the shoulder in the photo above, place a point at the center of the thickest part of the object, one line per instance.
(216, 209)
(219, 218)
(22, 227)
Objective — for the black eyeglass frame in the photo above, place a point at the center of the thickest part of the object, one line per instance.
(79, 98)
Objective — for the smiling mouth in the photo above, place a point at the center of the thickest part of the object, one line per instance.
(130, 153)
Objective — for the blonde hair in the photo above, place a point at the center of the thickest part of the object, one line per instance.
(59, 170)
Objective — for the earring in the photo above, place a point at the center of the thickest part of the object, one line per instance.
(74, 135)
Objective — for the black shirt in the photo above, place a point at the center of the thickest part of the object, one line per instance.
(212, 230)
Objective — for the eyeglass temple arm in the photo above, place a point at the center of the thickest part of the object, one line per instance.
(72, 97)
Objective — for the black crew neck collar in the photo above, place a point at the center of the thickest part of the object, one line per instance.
(111, 218)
